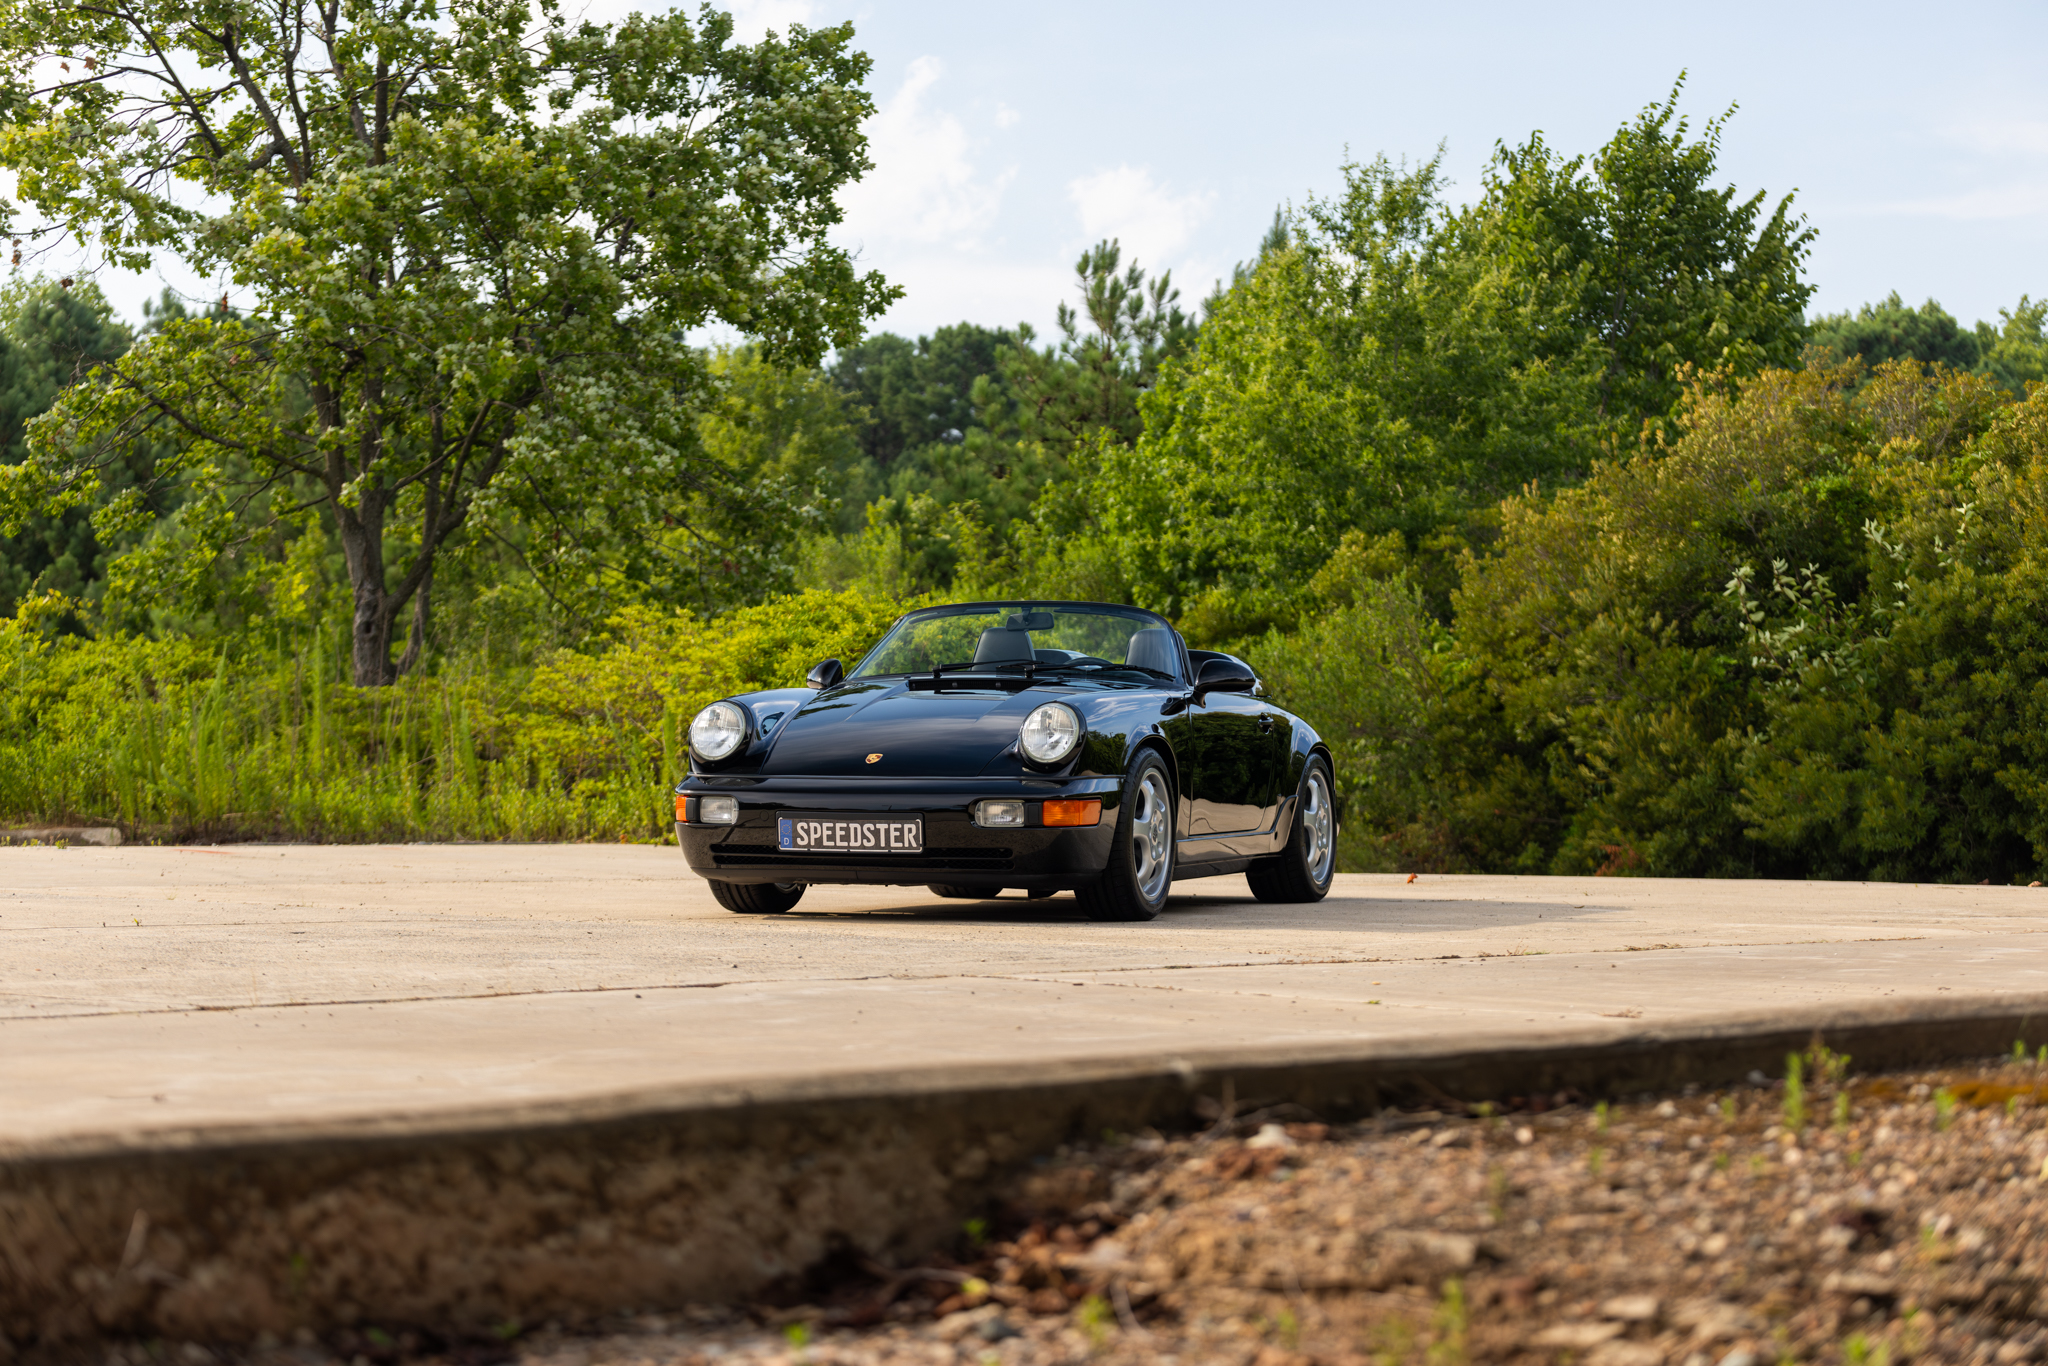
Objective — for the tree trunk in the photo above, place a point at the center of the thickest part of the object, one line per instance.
(362, 546)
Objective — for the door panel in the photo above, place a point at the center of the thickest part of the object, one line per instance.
(1231, 759)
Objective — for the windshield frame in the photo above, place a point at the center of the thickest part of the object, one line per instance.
(1108, 609)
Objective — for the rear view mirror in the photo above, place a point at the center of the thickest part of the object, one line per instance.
(826, 674)
(1029, 621)
(1224, 675)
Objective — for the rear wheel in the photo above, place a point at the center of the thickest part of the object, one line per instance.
(1134, 885)
(1305, 867)
(758, 898)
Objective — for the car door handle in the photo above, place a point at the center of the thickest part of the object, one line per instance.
(1265, 720)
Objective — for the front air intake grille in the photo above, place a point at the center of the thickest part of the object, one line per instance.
(973, 858)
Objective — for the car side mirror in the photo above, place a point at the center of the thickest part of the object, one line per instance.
(826, 674)
(1224, 675)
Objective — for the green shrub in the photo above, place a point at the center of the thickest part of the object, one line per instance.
(172, 740)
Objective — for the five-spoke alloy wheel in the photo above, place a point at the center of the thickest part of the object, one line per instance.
(1134, 885)
(1303, 870)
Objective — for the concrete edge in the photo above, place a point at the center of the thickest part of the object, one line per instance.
(464, 1222)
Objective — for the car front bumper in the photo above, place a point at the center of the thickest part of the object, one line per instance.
(956, 850)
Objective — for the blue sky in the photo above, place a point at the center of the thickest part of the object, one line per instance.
(1008, 138)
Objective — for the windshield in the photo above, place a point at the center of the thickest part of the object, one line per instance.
(1076, 636)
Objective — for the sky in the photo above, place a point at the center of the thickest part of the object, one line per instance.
(1007, 139)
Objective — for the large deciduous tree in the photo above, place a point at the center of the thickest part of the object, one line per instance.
(470, 240)
(1394, 363)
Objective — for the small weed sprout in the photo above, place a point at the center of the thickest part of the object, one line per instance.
(1290, 1328)
(1825, 1066)
(1944, 1108)
(2019, 1050)
(1720, 1162)
(1859, 1351)
(1841, 1112)
(1728, 1109)
(1450, 1349)
(1596, 1162)
(1600, 1116)
(1094, 1315)
(976, 1230)
(797, 1335)
(2012, 1105)
(1795, 1093)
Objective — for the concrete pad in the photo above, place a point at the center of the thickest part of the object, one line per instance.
(146, 989)
(250, 1089)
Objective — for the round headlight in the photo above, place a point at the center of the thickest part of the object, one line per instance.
(718, 730)
(1050, 733)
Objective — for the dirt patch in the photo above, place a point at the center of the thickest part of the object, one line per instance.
(1891, 1219)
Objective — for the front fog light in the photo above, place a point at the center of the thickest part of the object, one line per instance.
(999, 813)
(718, 810)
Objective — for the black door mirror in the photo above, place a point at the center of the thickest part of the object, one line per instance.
(826, 674)
(1224, 675)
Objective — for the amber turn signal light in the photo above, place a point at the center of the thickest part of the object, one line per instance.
(682, 807)
(1087, 812)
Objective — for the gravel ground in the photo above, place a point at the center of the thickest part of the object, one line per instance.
(1862, 1221)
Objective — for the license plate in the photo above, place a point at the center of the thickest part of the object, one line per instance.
(851, 834)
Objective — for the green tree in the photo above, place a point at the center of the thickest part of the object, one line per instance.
(473, 239)
(919, 393)
(52, 334)
(2016, 353)
(1086, 386)
(1402, 365)
(1876, 333)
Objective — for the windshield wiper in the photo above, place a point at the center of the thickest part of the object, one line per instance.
(992, 666)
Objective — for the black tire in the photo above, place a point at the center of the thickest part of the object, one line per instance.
(1304, 869)
(758, 898)
(948, 890)
(1140, 871)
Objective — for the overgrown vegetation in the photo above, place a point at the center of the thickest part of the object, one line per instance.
(1584, 548)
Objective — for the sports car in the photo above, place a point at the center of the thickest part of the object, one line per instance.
(1037, 746)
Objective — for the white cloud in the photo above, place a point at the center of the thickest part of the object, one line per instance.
(2002, 137)
(751, 19)
(941, 288)
(2027, 200)
(925, 186)
(1006, 117)
(1128, 204)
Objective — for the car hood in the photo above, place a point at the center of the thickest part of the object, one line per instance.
(916, 734)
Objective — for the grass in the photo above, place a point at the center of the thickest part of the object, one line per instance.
(290, 751)
(1795, 1093)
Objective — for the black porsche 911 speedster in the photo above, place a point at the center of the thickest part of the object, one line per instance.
(1043, 746)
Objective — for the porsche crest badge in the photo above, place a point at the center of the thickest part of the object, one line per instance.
(874, 758)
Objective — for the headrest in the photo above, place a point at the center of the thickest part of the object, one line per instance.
(1154, 648)
(997, 646)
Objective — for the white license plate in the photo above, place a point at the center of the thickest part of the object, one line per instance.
(851, 834)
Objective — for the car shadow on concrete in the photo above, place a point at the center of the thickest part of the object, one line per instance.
(1338, 914)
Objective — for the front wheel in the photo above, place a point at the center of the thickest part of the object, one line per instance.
(1133, 886)
(1304, 869)
(758, 898)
